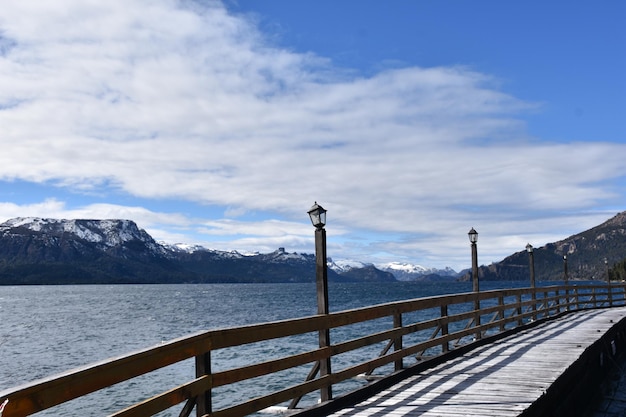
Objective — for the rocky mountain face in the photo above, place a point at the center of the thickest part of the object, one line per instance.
(51, 251)
(585, 254)
(34, 251)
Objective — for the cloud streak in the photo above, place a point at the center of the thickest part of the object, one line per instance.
(170, 100)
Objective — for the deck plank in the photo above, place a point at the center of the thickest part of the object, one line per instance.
(503, 378)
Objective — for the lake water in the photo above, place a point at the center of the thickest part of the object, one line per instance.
(46, 330)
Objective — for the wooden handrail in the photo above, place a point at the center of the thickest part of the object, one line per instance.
(506, 309)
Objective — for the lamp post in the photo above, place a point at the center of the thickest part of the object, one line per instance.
(473, 238)
(531, 261)
(608, 281)
(565, 279)
(317, 214)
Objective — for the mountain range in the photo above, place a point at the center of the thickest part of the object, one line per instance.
(53, 251)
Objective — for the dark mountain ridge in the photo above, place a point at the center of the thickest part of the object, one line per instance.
(51, 251)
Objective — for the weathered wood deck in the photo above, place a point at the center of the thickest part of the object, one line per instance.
(522, 374)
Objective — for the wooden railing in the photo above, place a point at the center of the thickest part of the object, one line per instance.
(408, 332)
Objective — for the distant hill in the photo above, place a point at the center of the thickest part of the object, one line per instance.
(52, 251)
(585, 253)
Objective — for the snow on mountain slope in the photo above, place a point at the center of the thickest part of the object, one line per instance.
(407, 272)
(109, 233)
(345, 265)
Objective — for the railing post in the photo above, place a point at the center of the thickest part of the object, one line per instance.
(608, 283)
(520, 320)
(445, 346)
(397, 343)
(477, 317)
(203, 367)
(322, 306)
(531, 260)
(475, 285)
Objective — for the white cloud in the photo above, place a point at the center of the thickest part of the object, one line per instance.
(164, 100)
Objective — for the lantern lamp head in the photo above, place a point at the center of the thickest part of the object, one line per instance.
(473, 235)
(529, 248)
(317, 214)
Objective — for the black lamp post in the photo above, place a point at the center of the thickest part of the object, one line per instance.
(473, 238)
(608, 281)
(531, 261)
(317, 214)
(565, 279)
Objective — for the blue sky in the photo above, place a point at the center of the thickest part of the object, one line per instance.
(409, 121)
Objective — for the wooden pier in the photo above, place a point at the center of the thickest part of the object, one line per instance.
(547, 370)
(523, 351)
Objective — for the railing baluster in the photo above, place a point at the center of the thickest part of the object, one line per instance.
(477, 316)
(188, 408)
(533, 296)
(326, 393)
(445, 346)
(397, 343)
(203, 401)
(501, 311)
(294, 403)
(592, 299)
(556, 303)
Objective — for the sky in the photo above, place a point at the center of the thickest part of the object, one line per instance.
(221, 123)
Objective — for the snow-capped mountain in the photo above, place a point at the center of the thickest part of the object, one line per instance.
(103, 233)
(409, 272)
(345, 265)
(40, 250)
(51, 251)
(186, 248)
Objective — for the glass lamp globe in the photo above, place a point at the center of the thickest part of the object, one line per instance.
(473, 235)
(317, 214)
